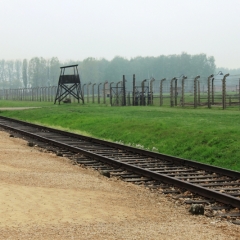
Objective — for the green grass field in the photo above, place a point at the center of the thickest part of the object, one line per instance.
(210, 136)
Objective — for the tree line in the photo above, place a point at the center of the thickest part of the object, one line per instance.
(38, 71)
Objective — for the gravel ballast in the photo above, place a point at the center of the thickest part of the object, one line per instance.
(43, 196)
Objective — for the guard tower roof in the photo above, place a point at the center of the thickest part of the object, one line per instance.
(70, 66)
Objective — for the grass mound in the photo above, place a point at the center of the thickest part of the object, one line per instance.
(205, 135)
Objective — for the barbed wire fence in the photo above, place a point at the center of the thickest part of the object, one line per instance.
(222, 91)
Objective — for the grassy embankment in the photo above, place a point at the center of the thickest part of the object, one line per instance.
(210, 136)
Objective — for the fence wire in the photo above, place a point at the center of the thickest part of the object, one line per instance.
(210, 91)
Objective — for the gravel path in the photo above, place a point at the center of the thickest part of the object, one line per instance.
(43, 196)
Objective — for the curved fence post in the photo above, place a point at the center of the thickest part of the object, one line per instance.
(104, 92)
(151, 90)
(183, 85)
(143, 102)
(111, 93)
(196, 88)
(133, 93)
(198, 92)
(224, 91)
(209, 91)
(124, 91)
(161, 91)
(176, 91)
(99, 93)
(171, 92)
(212, 91)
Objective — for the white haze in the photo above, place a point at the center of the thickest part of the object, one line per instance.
(77, 29)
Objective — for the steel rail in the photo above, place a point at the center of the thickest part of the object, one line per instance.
(176, 160)
(218, 196)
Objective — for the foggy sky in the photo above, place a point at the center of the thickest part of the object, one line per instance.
(77, 29)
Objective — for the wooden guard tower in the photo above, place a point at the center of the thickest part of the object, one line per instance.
(69, 85)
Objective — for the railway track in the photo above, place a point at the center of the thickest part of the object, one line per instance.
(187, 179)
